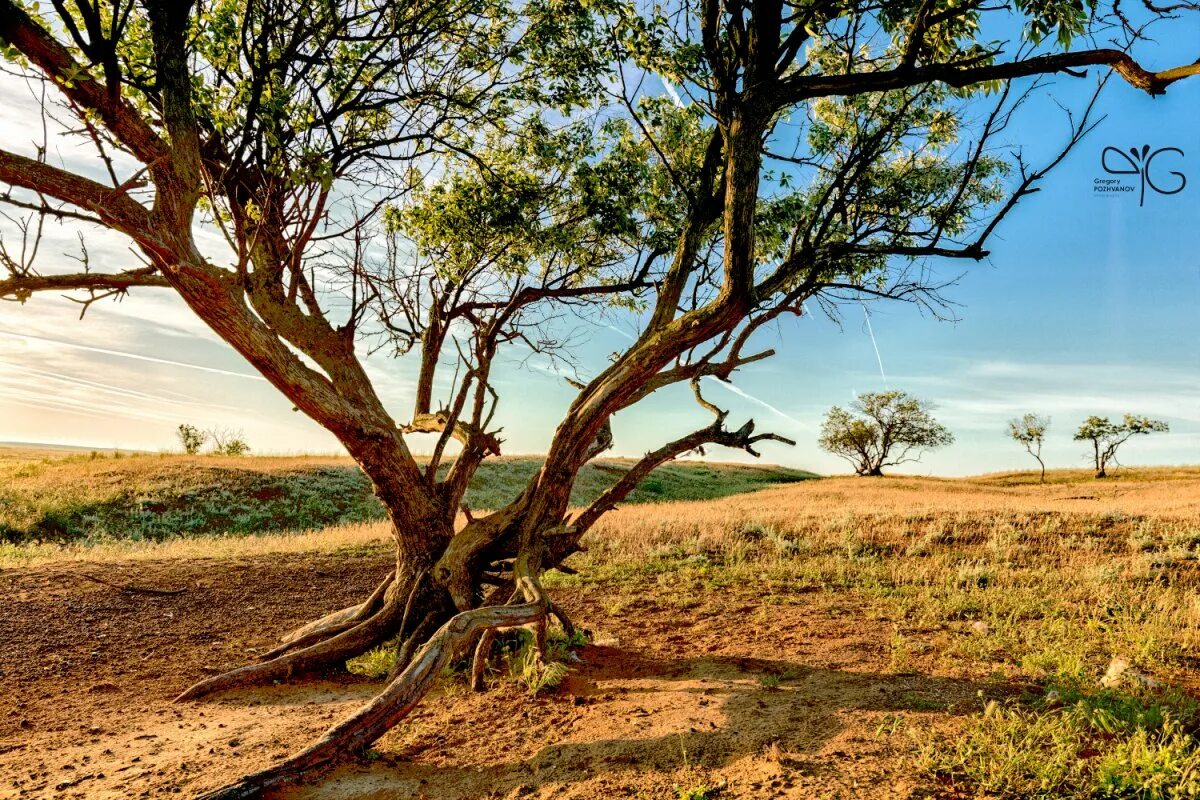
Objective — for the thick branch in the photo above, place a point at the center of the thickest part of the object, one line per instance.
(112, 206)
(800, 88)
(741, 439)
(18, 29)
(463, 431)
(21, 287)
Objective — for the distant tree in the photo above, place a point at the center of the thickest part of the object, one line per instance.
(228, 442)
(1030, 431)
(192, 438)
(1106, 436)
(882, 429)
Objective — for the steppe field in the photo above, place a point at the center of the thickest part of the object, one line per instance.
(784, 638)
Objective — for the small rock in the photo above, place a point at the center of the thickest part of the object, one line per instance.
(1116, 670)
(1120, 670)
(980, 627)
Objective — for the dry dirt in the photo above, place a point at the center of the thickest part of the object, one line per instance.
(666, 700)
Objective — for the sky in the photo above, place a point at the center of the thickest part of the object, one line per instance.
(1087, 305)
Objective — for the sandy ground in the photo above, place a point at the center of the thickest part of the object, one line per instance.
(667, 700)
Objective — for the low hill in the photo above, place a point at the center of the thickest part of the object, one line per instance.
(55, 494)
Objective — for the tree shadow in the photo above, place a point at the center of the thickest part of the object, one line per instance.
(641, 714)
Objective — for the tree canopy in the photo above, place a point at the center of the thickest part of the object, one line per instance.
(1030, 432)
(882, 429)
(1107, 436)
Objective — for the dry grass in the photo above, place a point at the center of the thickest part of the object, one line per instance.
(1027, 590)
(894, 513)
(1033, 590)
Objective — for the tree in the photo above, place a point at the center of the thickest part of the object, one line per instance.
(192, 438)
(305, 133)
(228, 442)
(1030, 431)
(1106, 436)
(882, 429)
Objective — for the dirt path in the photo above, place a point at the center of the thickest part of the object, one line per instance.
(681, 700)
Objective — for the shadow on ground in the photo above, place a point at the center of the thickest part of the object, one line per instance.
(637, 725)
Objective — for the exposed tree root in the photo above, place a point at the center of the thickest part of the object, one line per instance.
(334, 650)
(334, 623)
(483, 653)
(127, 588)
(567, 625)
(419, 636)
(537, 629)
(359, 730)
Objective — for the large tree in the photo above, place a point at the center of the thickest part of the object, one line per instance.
(819, 155)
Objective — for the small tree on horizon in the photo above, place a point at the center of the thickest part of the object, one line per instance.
(882, 429)
(228, 442)
(1030, 431)
(1106, 436)
(191, 438)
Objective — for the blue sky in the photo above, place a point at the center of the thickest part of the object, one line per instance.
(1088, 304)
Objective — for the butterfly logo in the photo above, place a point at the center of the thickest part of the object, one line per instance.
(1138, 162)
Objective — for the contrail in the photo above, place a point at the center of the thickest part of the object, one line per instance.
(674, 94)
(746, 395)
(122, 391)
(134, 356)
(871, 331)
(626, 334)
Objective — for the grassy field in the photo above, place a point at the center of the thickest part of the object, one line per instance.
(64, 497)
(1074, 605)
(841, 638)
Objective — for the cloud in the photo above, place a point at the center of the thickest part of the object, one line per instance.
(122, 354)
(978, 393)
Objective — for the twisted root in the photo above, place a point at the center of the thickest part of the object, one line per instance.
(373, 720)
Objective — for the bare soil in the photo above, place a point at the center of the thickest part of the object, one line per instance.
(668, 699)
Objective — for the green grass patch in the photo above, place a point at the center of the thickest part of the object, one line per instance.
(98, 497)
(1104, 744)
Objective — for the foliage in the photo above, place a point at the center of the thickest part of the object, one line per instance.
(700, 791)
(376, 663)
(192, 438)
(1107, 436)
(537, 675)
(1030, 432)
(227, 442)
(882, 429)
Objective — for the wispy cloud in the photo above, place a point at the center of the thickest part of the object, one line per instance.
(123, 354)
